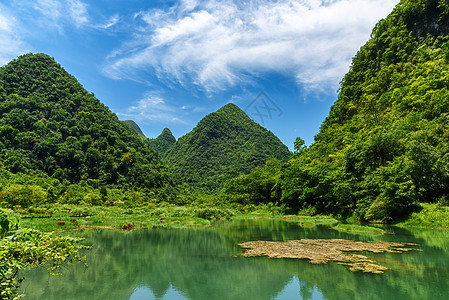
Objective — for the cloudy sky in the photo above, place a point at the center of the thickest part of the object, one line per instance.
(169, 63)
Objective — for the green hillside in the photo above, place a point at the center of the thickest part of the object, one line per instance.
(133, 125)
(162, 142)
(223, 145)
(51, 126)
(383, 149)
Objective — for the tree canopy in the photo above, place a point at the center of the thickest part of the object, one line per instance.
(50, 125)
(163, 142)
(223, 145)
(384, 146)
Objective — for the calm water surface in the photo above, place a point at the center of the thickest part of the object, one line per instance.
(204, 263)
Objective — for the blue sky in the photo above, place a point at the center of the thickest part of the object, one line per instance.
(170, 63)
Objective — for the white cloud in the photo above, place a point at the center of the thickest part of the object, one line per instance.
(78, 12)
(49, 8)
(6, 23)
(219, 44)
(60, 14)
(112, 21)
(152, 107)
(11, 44)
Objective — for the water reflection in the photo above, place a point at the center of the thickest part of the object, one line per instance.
(204, 264)
(296, 289)
(145, 293)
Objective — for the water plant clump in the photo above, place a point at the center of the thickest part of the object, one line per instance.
(321, 251)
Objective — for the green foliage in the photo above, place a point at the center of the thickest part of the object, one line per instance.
(133, 125)
(385, 139)
(384, 146)
(431, 215)
(223, 145)
(9, 223)
(259, 186)
(163, 142)
(50, 124)
(24, 248)
(299, 145)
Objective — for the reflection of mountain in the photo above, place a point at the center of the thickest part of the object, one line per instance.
(198, 264)
(146, 293)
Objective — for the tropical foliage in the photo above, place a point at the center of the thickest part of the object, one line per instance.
(50, 125)
(383, 149)
(24, 248)
(223, 145)
(163, 142)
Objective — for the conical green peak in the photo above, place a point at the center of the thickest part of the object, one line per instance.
(65, 131)
(166, 132)
(133, 125)
(163, 142)
(224, 144)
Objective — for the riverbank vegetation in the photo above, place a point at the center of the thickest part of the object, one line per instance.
(22, 248)
(383, 152)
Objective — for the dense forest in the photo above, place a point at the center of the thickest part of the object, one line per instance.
(383, 149)
(133, 125)
(224, 144)
(58, 137)
(61, 144)
(381, 152)
(163, 142)
(380, 155)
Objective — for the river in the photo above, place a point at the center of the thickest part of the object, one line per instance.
(205, 263)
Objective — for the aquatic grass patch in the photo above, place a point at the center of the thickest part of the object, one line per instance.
(48, 224)
(321, 251)
(311, 220)
(207, 213)
(299, 220)
(356, 228)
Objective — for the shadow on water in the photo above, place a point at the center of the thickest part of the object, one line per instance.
(204, 263)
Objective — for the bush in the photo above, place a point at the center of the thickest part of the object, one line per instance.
(212, 213)
(23, 196)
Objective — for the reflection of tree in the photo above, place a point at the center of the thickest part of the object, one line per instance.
(414, 275)
(196, 262)
(199, 264)
(305, 290)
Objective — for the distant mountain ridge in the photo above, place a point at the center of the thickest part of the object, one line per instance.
(163, 142)
(223, 144)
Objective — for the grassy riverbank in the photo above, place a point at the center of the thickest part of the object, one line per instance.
(59, 217)
(65, 217)
(430, 216)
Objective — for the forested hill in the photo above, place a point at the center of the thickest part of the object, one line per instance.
(133, 125)
(49, 124)
(383, 148)
(163, 142)
(223, 145)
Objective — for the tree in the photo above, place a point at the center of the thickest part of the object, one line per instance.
(299, 145)
(23, 248)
